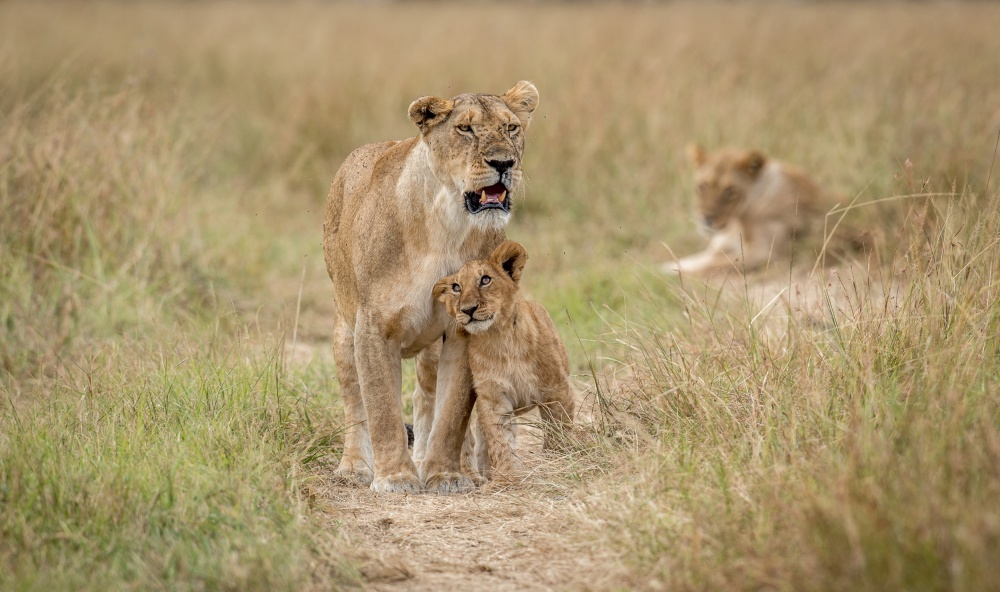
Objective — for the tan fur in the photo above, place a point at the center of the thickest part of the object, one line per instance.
(396, 221)
(753, 208)
(517, 359)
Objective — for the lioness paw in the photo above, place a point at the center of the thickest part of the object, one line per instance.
(448, 482)
(354, 473)
(478, 480)
(398, 483)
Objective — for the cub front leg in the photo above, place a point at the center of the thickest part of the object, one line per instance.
(379, 366)
(496, 419)
(722, 253)
(441, 469)
(482, 451)
(703, 262)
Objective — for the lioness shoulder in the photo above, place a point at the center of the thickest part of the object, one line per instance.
(517, 358)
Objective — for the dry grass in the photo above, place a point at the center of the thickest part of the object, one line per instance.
(162, 174)
(857, 450)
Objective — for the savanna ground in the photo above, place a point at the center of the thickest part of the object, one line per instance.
(169, 415)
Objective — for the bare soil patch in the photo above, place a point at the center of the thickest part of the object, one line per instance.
(532, 536)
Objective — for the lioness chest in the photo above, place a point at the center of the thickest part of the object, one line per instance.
(418, 317)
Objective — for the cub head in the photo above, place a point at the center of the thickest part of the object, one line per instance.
(484, 292)
(475, 143)
(722, 181)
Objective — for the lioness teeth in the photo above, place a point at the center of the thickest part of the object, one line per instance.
(492, 198)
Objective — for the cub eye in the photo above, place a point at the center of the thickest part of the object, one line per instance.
(728, 194)
(456, 288)
(702, 188)
(464, 128)
(485, 281)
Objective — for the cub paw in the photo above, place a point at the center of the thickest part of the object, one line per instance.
(448, 482)
(397, 483)
(354, 473)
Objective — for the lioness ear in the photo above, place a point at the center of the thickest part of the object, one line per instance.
(522, 99)
(696, 154)
(511, 257)
(442, 287)
(753, 162)
(427, 112)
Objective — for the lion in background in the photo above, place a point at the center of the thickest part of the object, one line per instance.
(399, 216)
(517, 358)
(757, 210)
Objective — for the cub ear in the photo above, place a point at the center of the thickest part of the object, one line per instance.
(753, 162)
(696, 154)
(522, 99)
(510, 257)
(427, 112)
(442, 288)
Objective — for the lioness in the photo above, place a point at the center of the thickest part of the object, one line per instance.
(400, 215)
(517, 359)
(753, 209)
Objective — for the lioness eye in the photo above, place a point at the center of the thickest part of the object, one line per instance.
(465, 128)
(485, 281)
(456, 288)
(512, 128)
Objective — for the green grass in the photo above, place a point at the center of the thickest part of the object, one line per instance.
(163, 170)
(189, 468)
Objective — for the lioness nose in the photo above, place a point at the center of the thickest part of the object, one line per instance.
(500, 165)
(470, 310)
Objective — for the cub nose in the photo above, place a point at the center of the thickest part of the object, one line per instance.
(470, 310)
(501, 165)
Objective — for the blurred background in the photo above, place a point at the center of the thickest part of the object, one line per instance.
(163, 174)
(200, 138)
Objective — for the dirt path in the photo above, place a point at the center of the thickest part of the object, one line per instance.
(533, 536)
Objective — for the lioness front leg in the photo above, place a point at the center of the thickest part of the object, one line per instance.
(356, 463)
(423, 399)
(380, 377)
(441, 469)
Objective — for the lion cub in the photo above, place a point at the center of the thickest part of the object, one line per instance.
(517, 359)
(753, 208)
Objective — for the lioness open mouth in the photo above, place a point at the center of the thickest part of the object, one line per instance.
(493, 197)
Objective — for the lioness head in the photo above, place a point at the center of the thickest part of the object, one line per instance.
(475, 143)
(722, 181)
(484, 291)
